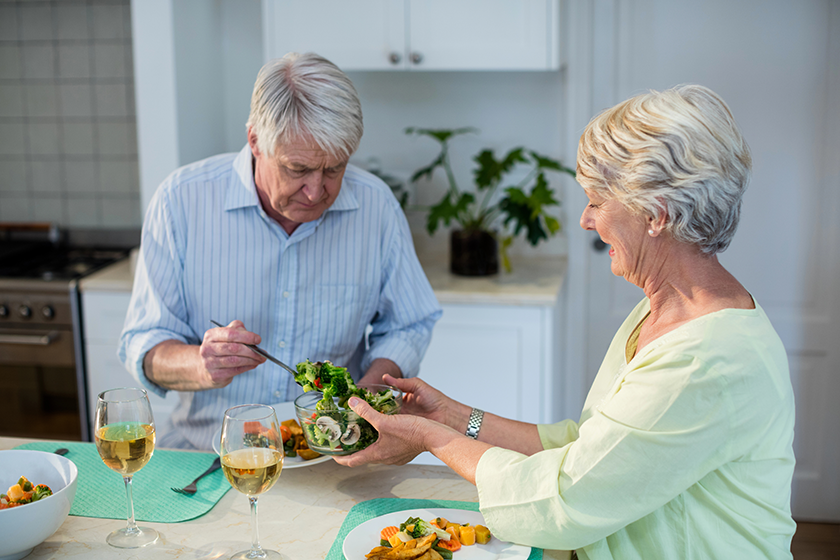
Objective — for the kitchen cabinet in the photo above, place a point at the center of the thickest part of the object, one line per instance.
(104, 306)
(417, 34)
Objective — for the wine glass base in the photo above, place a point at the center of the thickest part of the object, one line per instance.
(136, 538)
(259, 555)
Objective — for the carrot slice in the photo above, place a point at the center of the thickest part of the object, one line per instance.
(451, 545)
(388, 532)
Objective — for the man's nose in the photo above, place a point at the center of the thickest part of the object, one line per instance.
(314, 186)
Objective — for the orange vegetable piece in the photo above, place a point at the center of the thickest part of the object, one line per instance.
(388, 532)
(252, 428)
(468, 535)
(452, 544)
(285, 433)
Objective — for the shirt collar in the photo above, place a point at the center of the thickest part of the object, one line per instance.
(243, 193)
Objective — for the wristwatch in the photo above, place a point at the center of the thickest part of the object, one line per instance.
(474, 424)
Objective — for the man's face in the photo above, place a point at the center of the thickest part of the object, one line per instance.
(298, 183)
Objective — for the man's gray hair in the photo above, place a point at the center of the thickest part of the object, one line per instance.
(305, 96)
(678, 151)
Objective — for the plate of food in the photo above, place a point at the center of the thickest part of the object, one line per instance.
(416, 534)
(303, 456)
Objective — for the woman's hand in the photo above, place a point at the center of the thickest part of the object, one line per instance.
(421, 399)
(401, 437)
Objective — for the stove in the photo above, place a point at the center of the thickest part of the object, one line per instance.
(42, 366)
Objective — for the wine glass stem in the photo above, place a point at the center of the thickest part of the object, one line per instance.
(256, 549)
(132, 526)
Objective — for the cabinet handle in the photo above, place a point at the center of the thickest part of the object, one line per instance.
(29, 339)
(395, 58)
(416, 57)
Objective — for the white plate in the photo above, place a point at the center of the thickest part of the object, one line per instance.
(285, 411)
(364, 537)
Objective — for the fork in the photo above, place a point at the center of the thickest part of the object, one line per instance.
(191, 488)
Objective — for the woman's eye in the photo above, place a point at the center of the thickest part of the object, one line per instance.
(593, 206)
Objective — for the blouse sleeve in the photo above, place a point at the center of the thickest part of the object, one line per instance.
(626, 461)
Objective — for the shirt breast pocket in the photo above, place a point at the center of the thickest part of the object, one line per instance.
(343, 312)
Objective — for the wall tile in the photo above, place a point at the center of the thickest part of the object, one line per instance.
(46, 176)
(8, 21)
(76, 100)
(12, 139)
(80, 177)
(40, 100)
(83, 212)
(115, 177)
(78, 138)
(38, 60)
(44, 139)
(48, 209)
(111, 100)
(108, 22)
(35, 21)
(74, 61)
(121, 212)
(72, 18)
(113, 139)
(13, 176)
(10, 62)
(109, 60)
(11, 101)
(14, 208)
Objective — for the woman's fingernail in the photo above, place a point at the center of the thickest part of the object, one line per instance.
(354, 401)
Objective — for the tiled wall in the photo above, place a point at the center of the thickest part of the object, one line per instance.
(68, 141)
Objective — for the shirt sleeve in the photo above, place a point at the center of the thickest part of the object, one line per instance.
(157, 311)
(408, 308)
(627, 461)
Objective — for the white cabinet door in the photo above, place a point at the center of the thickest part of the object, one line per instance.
(357, 35)
(417, 34)
(483, 34)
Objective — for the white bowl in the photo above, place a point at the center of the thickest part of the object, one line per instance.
(24, 527)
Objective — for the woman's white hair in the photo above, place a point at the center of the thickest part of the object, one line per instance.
(302, 97)
(678, 151)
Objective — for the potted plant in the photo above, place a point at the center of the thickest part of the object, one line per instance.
(490, 222)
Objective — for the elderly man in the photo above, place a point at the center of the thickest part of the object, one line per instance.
(289, 246)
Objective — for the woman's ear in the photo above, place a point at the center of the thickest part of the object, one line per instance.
(656, 224)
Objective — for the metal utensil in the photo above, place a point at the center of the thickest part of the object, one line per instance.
(263, 353)
(191, 488)
(61, 451)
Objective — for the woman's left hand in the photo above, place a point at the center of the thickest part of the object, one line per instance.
(401, 437)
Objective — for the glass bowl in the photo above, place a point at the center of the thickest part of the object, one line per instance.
(340, 431)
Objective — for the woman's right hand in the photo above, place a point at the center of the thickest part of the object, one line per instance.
(421, 399)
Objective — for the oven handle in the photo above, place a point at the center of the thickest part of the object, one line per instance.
(29, 339)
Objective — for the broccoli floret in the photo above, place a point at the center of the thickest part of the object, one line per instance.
(331, 380)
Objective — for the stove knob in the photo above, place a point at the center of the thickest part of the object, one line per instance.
(25, 311)
(4, 311)
(48, 312)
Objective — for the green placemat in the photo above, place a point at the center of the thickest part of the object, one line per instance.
(364, 511)
(100, 492)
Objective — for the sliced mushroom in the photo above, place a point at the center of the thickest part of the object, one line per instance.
(351, 435)
(328, 427)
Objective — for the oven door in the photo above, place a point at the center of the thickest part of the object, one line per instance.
(38, 383)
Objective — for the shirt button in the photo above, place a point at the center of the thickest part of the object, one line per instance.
(286, 294)
(278, 394)
(282, 344)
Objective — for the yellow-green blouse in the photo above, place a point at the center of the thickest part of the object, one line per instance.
(683, 453)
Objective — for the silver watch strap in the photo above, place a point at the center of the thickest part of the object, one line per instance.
(474, 424)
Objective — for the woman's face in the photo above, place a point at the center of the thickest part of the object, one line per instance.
(623, 231)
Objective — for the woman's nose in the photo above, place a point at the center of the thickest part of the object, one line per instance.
(585, 220)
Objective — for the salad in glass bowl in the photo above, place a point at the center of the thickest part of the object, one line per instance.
(329, 425)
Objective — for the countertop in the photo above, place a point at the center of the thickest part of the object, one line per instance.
(300, 517)
(534, 281)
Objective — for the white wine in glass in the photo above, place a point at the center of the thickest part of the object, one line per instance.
(125, 439)
(252, 459)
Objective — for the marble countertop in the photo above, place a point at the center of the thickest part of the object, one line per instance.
(300, 517)
(534, 281)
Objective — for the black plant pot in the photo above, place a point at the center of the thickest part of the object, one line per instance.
(473, 253)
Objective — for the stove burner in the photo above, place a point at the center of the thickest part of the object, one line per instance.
(46, 262)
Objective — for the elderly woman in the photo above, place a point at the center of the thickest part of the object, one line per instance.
(684, 446)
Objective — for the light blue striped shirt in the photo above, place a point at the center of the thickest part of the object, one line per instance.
(209, 251)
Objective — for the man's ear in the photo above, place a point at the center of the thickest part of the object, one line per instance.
(252, 141)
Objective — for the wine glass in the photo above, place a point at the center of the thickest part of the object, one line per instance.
(125, 439)
(252, 459)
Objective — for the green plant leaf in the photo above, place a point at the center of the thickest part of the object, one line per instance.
(544, 162)
(442, 135)
(490, 171)
(446, 211)
(429, 170)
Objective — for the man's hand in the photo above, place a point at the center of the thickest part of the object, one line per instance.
(224, 354)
